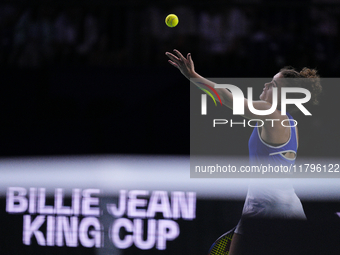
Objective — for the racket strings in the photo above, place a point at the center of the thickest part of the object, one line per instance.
(222, 245)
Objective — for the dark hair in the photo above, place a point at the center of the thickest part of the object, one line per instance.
(311, 83)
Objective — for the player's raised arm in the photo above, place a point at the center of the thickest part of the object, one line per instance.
(187, 68)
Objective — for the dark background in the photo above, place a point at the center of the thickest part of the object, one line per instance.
(91, 77)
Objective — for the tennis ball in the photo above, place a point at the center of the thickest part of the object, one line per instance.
(171, 20)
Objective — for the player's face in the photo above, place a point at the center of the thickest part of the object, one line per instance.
(267, 93)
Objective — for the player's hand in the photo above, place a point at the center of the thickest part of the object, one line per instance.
(185, 65)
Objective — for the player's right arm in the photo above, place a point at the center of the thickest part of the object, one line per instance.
(186, 66)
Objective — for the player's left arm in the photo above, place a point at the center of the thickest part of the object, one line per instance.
(186, 66)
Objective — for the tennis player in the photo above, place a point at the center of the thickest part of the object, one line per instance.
(271, 143)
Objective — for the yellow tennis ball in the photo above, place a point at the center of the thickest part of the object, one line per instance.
(171, 20)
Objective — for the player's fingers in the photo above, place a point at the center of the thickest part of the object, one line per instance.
(190, 59)
(179, 55)
(173, 63)
(172, 57)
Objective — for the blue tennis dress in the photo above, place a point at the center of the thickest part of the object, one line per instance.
(271, 198)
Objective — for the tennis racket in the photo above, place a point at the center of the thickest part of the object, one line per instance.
(222, 244)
